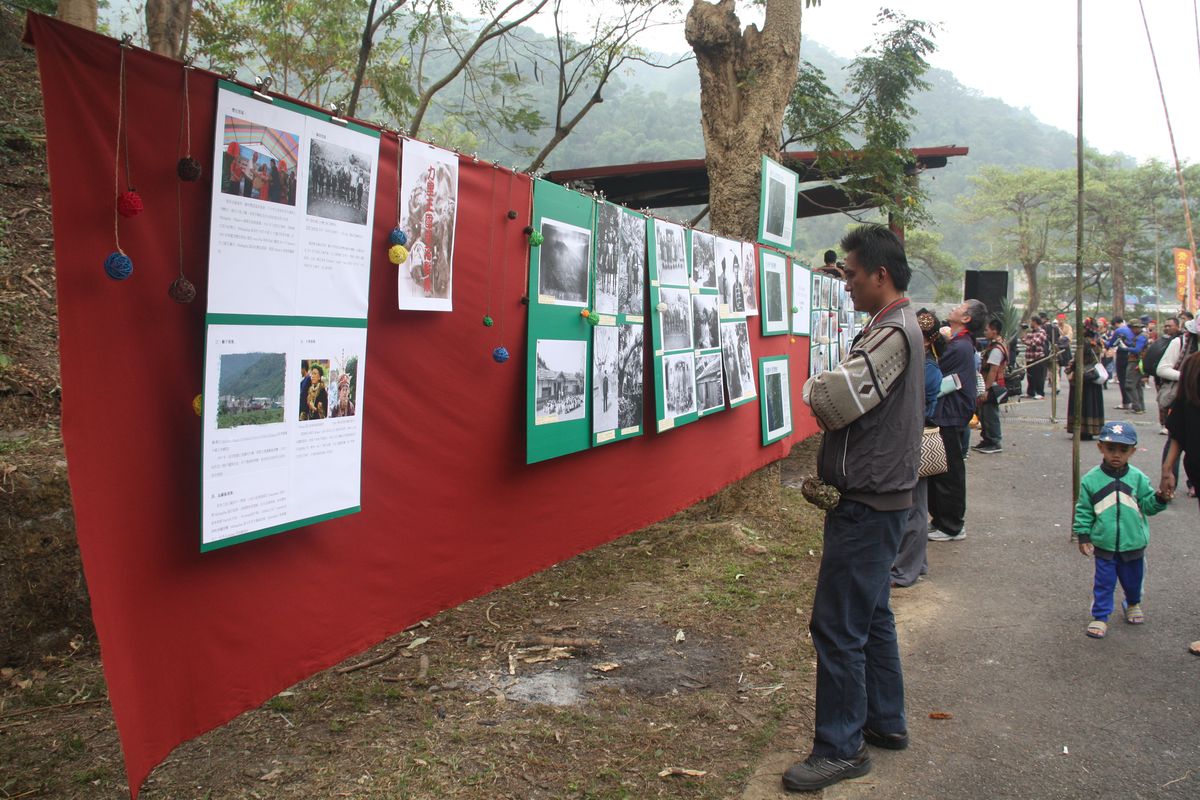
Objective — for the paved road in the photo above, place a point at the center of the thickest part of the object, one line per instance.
(995, 637)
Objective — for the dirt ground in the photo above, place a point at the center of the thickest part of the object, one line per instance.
(681, 647)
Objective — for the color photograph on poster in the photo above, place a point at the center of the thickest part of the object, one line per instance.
(428, 212)
(679, 384)
(777, 204)
(608, 259)
(630, 376)
(604, 378)
(749, 280)
(259, 162)
(704, 260)
(739, 368)
(563, 260)
(339, 182)
(561, 380)
(710, 384)
(774, 293)
(706, 322)
(250, 389)
(801, 298)
(776, 404)
(729, 268)
(314, 389)
(670, 253)
(632, 264)
(675, 316)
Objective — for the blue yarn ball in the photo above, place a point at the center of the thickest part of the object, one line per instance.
(500, 354)
(397, 237)
(118, 266)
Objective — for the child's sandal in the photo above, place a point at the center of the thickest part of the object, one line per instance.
(1134, 615)
(1097, 629)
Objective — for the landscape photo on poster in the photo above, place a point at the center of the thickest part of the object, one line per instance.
(339, 182)
(608, 259)
(710, 383)
(604, 378)
(561, 380)
(679, 384)
(704, 261)
(563, 260)
(675, 315)
(729, 268)
(250, 389)
(259, 161)
(706, 322)
(630, 375)
(748, 279)
(428, 214)
(670, 254)
(631, 286)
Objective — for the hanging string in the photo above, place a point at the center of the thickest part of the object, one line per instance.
(117, 265)
(397, 253)
(507, 252)
(181, 289)
(188, 168)
(487, 309)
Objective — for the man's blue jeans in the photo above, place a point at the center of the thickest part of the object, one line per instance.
(859, 681)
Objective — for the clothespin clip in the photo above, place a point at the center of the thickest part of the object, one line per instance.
(261, 86)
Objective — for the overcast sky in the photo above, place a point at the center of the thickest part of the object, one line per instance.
(1024, 52)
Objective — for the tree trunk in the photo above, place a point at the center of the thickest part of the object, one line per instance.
(746, 78)
(167, 26)
(1035, 296)
(78, 12)
(1117, 271)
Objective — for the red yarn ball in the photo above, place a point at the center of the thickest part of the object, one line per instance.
(129, 204)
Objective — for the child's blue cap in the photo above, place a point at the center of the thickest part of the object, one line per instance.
(1118, 433)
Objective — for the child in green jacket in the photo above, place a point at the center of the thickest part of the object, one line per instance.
(1110, 521)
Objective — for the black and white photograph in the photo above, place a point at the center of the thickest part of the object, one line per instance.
(679, 384)
(816, 293)
(801, 297)
(729, 269)
(835, 294)
(630, 375)
(604, 378)
(429, 209)
(704, 260)
(631, 286)
(776, 399)
(706, 322)
(749, 280)
(339, 182)
(675, 317)
(774, 291)
(608, 258)
(563, 263)
(826, 291)
(710, 383)
(561, 380)
(739, 369)
(670, 253)
(777, 210)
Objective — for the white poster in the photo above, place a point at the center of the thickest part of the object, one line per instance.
(801, 294)
(428, 214)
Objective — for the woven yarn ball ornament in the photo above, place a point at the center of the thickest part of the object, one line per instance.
(536, 239)
(500, 354)
(198, 405)
(129, 204)
(182, 290)
(397, 236)
(397, 254)
(188, 169)
(118, 266)
(488, 321)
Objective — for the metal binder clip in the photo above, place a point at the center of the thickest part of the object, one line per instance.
(127, 40)
(334, 108)
(261, 86)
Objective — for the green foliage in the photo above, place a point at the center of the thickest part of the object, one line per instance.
(1010, 318)
(252, 375)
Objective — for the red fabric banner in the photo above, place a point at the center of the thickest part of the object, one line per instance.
(450, 511)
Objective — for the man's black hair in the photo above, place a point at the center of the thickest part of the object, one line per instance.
(995, 325)
(877, 246)
(1117, 320)
(830, 256)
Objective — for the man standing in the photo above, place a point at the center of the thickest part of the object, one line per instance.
(1133, 371)
(1121, 335)
(1036, 351)
(1150, 361)
(860, 687)
(995, 361)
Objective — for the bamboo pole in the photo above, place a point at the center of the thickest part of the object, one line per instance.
(1080, 340)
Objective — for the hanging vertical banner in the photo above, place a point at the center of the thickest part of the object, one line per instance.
(1183, 266)
(428, 213)
(286, 334)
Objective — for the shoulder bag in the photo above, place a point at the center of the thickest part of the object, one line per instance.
(933, 453)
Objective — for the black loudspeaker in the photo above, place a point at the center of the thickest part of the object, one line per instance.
(989, 286)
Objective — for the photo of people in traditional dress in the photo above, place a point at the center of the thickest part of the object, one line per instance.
(706, 322)
(259, 162)
(749, 284)
(339, 182)
(250, 389)
(429, 210)
(739, 369)
(669, 253)
(604, 378)
(630, 375)
(563, 262)
(561, 380)
(679, 384)
(675, 317)
(343, 388)
(704, 260)
(729, 266)
(710, 384)
(632, 253)
(608, 258)
(314, 389)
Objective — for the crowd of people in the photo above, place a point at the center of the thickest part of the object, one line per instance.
(906, 367)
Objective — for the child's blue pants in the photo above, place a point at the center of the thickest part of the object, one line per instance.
(1108, 572)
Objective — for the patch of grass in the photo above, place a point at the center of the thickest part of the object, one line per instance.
(283, 705)
(86, 776)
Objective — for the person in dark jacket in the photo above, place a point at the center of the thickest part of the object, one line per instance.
(948, 491)
(871, 458)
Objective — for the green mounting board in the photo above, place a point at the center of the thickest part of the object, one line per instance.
(772, 273)
(668, 247)
(776, 405)
(558, 375)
